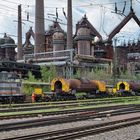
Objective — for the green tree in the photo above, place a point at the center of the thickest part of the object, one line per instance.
(27, 88)
(48, 74)
(31, 77)
(129, 76)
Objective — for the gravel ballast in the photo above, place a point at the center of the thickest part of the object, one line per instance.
(127, 133)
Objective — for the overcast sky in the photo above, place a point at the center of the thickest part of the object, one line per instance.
(100, 13)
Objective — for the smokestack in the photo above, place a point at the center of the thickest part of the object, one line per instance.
(39, 27)
(69, 25)
(19, 48)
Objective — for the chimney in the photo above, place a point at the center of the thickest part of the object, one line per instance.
(39, 27)
(69, 25)
(19, 47)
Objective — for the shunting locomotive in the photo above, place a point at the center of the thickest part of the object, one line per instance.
(10, 88)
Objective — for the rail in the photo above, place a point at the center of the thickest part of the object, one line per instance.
(81, 131)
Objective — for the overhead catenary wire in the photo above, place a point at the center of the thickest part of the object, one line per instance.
(91, 4)
(138, 1)
(60, 7)
(27, 5)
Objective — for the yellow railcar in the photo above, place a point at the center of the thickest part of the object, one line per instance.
(69, 87)
(128, 88)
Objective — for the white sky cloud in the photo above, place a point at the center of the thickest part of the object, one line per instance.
(98, 12)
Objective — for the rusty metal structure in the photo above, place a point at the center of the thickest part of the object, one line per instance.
(87, 52)
(58, 41)
(85, 23)
(123, 23)
(28, 48)
(49, 35)
(128, 56)
(70, 52)
(7, 48)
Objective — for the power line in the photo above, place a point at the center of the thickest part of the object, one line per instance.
(10, 2)
(138, 1)
(8, 7)
(60, 7)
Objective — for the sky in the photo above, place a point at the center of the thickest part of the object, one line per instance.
(101, 15)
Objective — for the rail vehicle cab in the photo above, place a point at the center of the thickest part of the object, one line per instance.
(111, 90)
(38, 95)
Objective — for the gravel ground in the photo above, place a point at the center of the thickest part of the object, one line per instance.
(14, 133)
(128, 133)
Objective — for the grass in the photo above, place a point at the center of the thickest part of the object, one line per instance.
(125, 102)
(55, 102)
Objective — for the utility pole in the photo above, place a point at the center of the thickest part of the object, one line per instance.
(69, 25)
(19, 47)
(39, 27)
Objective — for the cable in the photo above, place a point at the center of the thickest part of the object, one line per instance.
(86, 5)
(8, 7)
(10, 2)
(103, 23)
(138, 1)
(101, 18)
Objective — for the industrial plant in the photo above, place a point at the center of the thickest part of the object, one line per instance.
(82, 50)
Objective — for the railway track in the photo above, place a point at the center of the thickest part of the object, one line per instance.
(121, 99)
(80, 116)
(57, 107)
(72, 133)
(64, 111)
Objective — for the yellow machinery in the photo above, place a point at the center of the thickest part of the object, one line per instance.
(68, 87)
(38, 95)
(130, 87)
